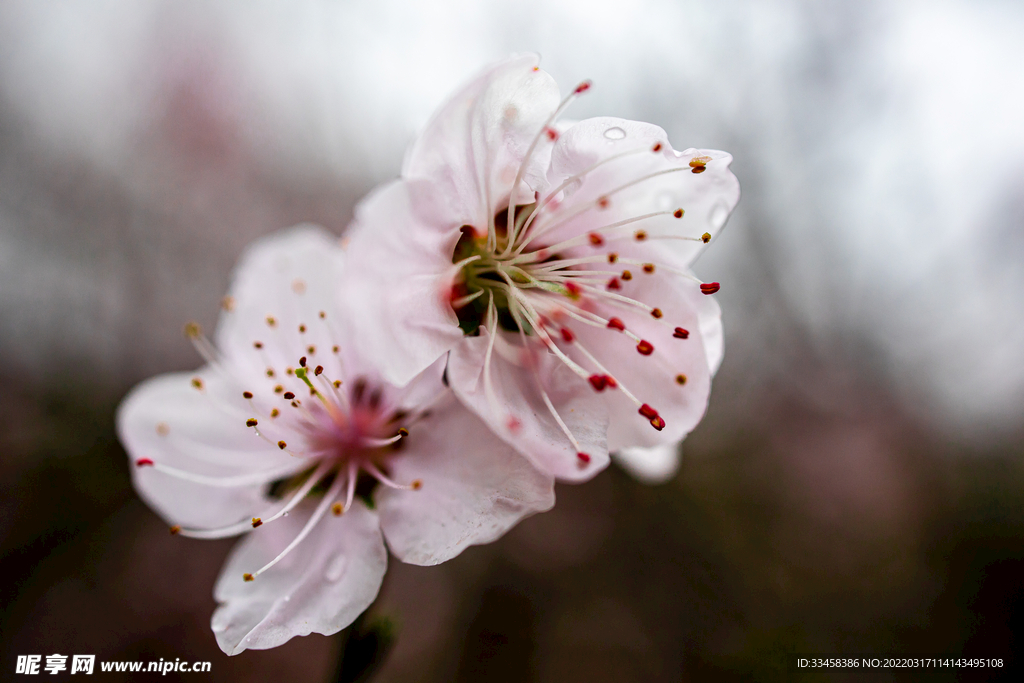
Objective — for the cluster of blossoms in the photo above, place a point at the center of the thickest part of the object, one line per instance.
(513, 310)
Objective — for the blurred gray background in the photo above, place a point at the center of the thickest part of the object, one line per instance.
(857, 485)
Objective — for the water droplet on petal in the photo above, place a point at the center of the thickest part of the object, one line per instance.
(336, 568)
(287, 598)
(615, 133)
(719, 214)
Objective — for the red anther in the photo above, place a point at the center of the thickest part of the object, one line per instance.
(658, 423)
(640, 235)
(603, 202)
(710, 287)
(614, 284)
(289, 395)
(567, 336)
(616, 324)
(513, 424)
(648, 268)
(657, 147)
(681, 333)
(699, 169)
(582, 87)
(678, 213)
(596, 239)
(583, 458)
(656, 313)
(645, 347)
(573, 289)
(551, 133)
(175, 530)
(142, 462)
(611, 381)
(599, 382)
(256, 521)
(627, 276)
(613, 257)
(319, 370)
(648, 412)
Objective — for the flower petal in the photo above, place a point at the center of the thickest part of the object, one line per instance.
(320, 587)
(474, 488)
(519, 416)
(630, 180)
(675, 379)
(280, 286)
(167, 420)
(400, 282)
(654, 465)
(475, 143)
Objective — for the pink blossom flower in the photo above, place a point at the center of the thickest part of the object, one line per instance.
(552, 262)
(291, 436)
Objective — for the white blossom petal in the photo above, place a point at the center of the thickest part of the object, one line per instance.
(399, 282)
(474, 489)
(475, 143)
(170, 422)
(519, 415)
(320, 587)
(654, 465)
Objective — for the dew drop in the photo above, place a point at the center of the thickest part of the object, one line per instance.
(287, 598)
(615, 133)
(336, 568)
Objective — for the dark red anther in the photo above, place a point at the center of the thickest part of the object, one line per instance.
(613, 257)
(616, 324)
(289, 395)
(645, 347)
(302, 361)
(582, 87)
(567, 336)
(678, 213)
(657, 147)
(596, 239)
(658, 423)
(613, 284)
(552, 134)
(648, 412)
(599, 382)
(143, 462)
(710, 287)
(681, 333)
(319, 370)
(583, 458)
(611, 381)
(603, 202)
(573, 289)
(656, 313)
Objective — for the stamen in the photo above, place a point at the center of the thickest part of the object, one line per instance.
(324, 505)
(221, 482)
(372, 469)
(710, 288)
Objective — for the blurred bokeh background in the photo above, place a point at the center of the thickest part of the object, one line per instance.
(858, 483)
